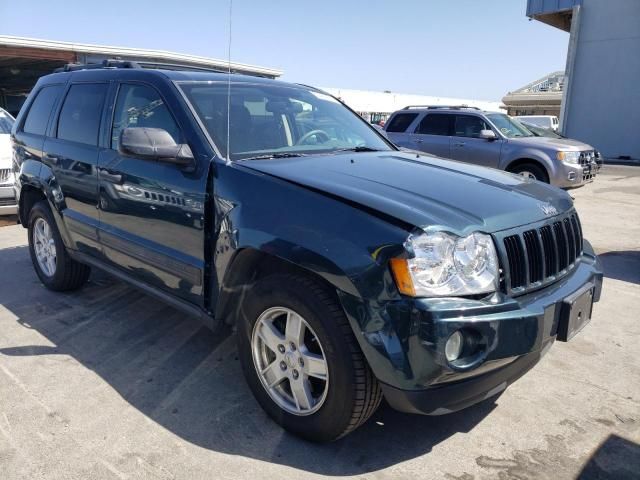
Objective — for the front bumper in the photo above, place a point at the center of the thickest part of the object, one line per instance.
(406, 353)
(574, 175)
(8, 203)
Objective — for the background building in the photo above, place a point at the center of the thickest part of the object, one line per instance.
(542, 97)
(601, 94)
(376, 106)
(24, 60)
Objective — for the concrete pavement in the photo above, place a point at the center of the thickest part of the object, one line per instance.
(108, 383)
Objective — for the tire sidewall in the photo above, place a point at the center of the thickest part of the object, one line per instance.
(282, 290)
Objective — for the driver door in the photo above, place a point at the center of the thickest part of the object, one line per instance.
(467, 146)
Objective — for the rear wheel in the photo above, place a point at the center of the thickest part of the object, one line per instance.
(53, 265)
(531, 171)
(302, 361)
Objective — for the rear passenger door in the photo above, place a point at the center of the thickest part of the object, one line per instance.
(71, 152)
(432, 134)
(151, 213)
(467, 146)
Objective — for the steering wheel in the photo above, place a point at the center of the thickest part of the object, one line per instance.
(308, 135)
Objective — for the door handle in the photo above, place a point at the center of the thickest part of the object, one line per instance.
(459, 144)
(418, 140)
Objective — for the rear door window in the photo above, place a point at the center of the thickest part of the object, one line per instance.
(435, 124)
(400, 122)
(81, 112)
(469, 126)
(40, 110)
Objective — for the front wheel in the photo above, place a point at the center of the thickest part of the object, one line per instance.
(531, 171)
(302, 361)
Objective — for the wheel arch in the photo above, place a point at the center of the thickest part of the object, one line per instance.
(250, 264)
(524, 160)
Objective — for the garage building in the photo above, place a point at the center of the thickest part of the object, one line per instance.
(24, 60)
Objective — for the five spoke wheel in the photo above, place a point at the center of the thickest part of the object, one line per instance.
(290, 361)
(45, 248)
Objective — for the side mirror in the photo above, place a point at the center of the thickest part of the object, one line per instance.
(154, 144)
(488, 135)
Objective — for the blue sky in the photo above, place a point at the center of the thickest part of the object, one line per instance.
(461, 48)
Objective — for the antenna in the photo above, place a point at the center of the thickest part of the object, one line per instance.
(229, 85)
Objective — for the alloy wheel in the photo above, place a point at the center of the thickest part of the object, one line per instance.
(290, 361)
(44, 246)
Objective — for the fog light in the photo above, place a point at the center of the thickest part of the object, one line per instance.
(571, 176)
(453, 347)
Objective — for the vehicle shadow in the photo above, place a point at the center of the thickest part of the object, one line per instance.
(188, 379)
(622, 265)
(616, 458)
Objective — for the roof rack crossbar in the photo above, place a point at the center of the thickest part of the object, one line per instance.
(110, 63)
(436, 107)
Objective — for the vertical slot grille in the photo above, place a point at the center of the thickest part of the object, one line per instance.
(541, 254)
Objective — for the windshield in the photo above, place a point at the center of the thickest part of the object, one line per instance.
(6, 122)
(510, 127)
(276, 120)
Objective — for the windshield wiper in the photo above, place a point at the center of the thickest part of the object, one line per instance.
(359, 148)
(275, 155)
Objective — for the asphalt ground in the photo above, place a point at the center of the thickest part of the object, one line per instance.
(107, 383)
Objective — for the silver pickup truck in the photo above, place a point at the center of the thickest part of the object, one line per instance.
(493, 140)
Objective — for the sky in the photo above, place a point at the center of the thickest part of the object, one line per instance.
(476, 49)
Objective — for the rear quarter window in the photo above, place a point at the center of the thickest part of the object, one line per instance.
(40, 110)
(400, 122)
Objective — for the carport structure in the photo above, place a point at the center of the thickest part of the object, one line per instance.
(24, 60)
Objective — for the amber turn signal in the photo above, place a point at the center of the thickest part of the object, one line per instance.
(400, 270)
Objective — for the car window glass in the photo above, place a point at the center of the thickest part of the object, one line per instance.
(81, 111)
(434, 124)
(141, 106)
(38, 115)
(469, 126)
(6, 122)
(269, 119)
(400, 122)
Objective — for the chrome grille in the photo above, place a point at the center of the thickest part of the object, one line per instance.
(4, 175)
(534, 257)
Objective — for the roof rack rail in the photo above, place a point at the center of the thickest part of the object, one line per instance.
(111, 63)
(436, 107)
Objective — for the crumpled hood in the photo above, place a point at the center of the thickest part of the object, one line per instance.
(549, 142)
(423, 191)
(5, 151)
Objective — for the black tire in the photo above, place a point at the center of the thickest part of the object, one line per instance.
(69, 274)
(353, 393)
(536, 170)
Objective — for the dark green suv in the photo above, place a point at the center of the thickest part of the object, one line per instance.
(350, 270)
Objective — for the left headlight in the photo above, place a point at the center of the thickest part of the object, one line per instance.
(444, 265)
(569, 157)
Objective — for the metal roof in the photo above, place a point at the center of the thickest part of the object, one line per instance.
(87, 53)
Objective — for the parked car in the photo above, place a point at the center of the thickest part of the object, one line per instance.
(547, 132)
(545, 121)
(7, 195)
(351, 270)
(491, 139)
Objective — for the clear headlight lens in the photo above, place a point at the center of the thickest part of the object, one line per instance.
(446, 265)
(569, 157)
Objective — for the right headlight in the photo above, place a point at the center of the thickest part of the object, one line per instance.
(444, 265)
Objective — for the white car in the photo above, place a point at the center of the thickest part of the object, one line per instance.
(7, 195)
(545, 121)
